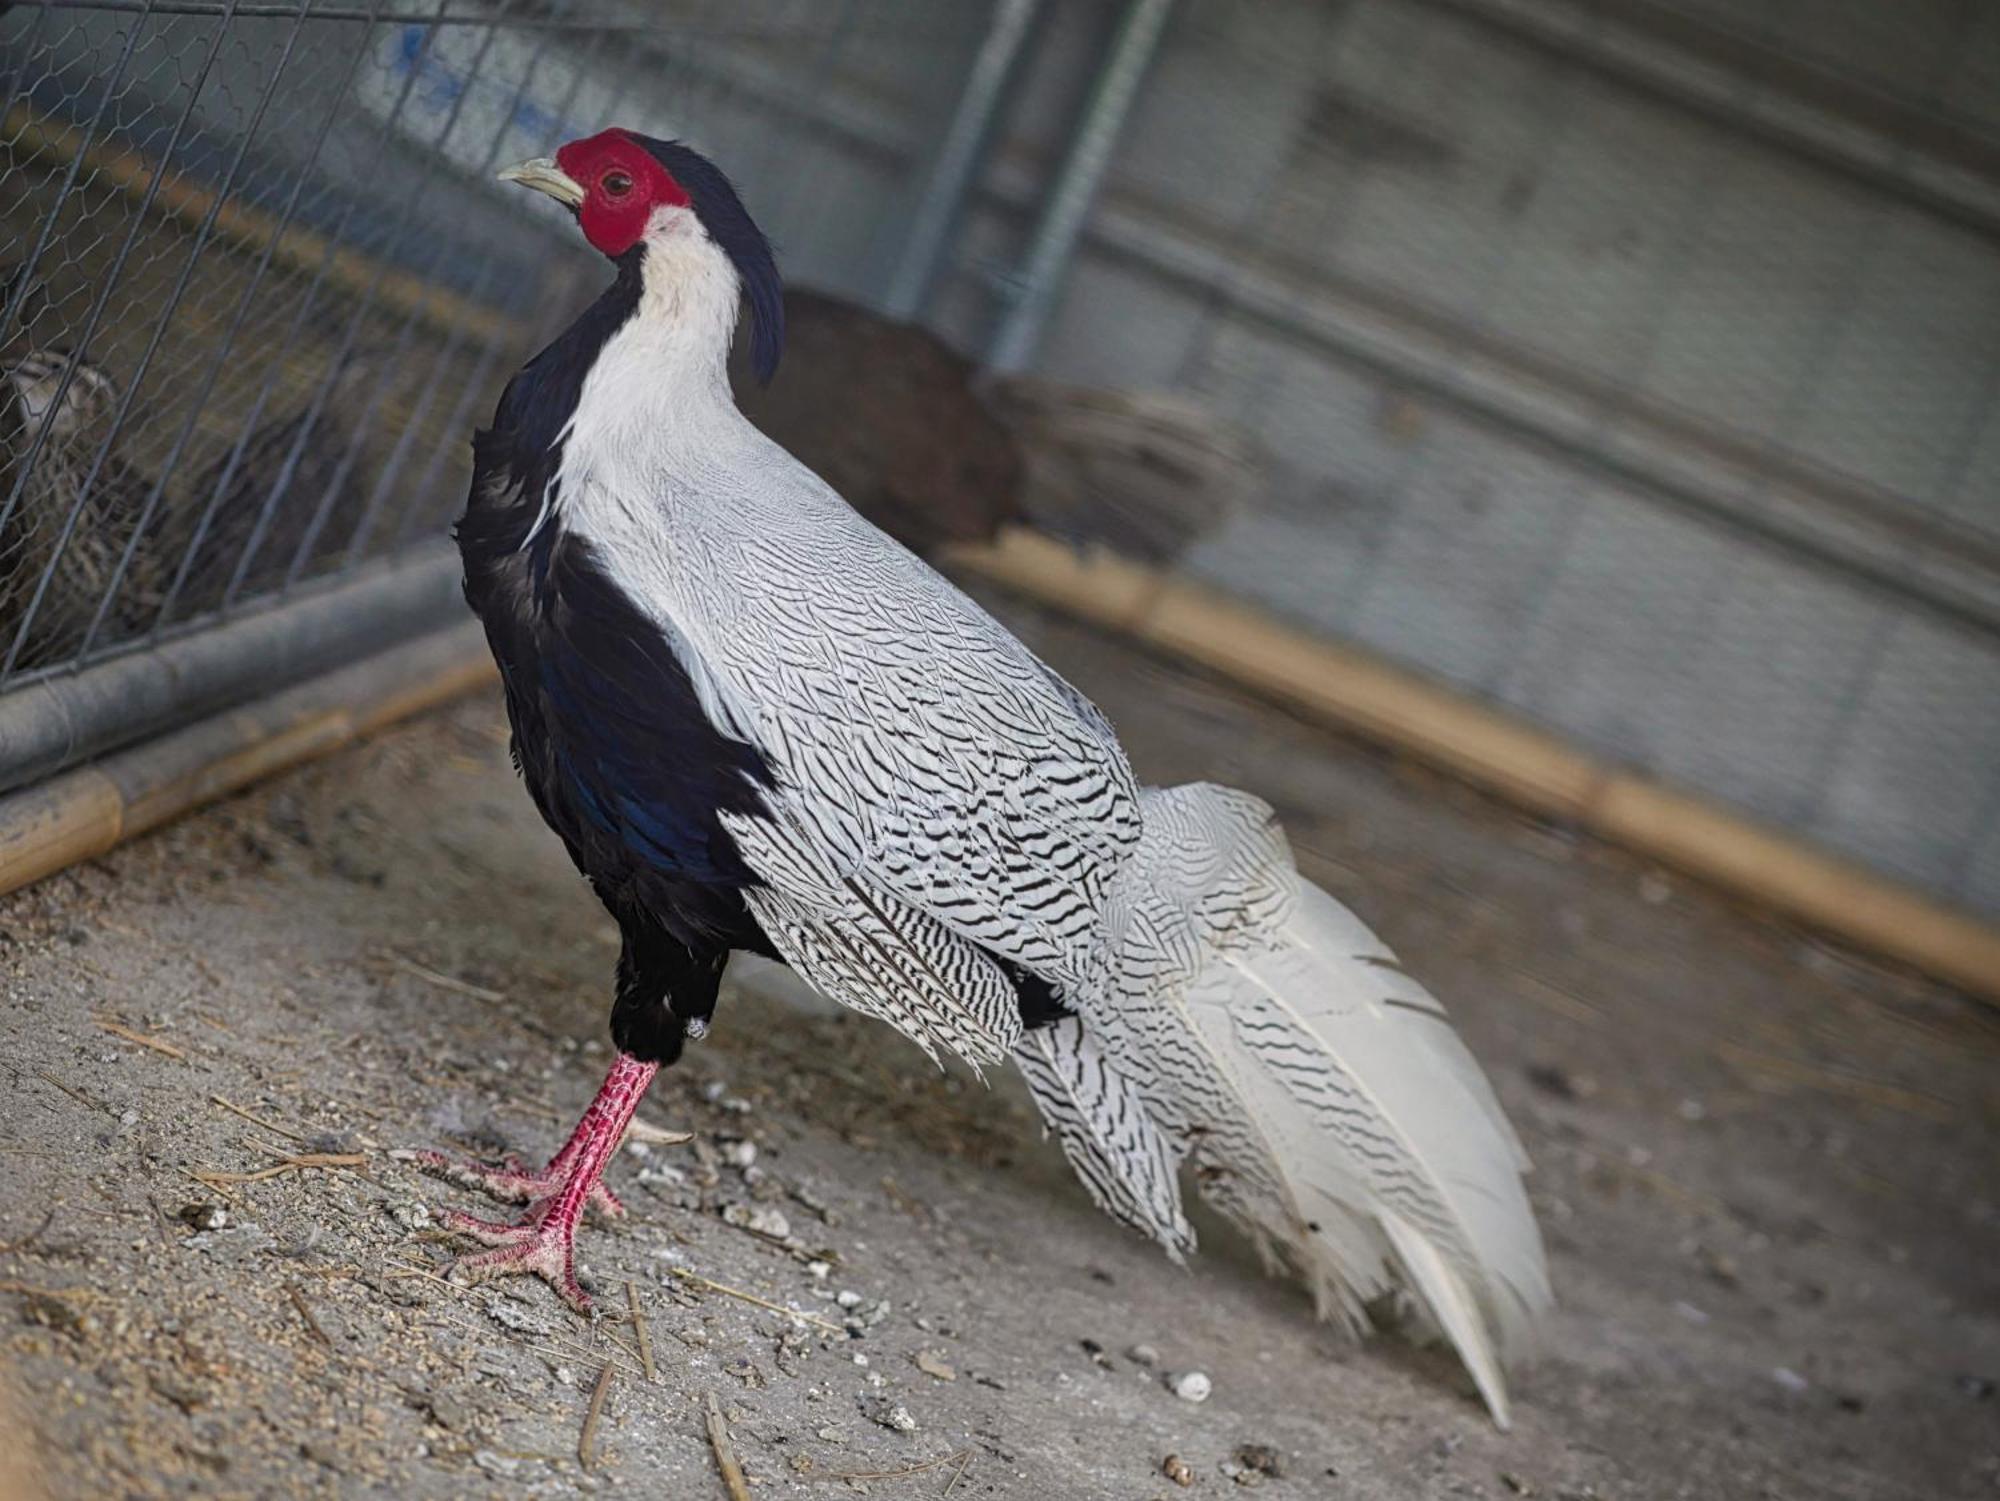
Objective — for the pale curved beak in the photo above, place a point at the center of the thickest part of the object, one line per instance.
(544, 176)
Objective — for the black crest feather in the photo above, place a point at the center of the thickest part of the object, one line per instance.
(721, 211)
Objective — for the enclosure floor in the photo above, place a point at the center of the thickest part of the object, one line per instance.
(1765, 1173)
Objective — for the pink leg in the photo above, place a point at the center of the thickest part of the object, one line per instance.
(543, 1241)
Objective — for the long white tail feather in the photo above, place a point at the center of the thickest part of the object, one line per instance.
(1124, 1160)
(1371, 1060)
(1448, 1300)
(1320, 1095)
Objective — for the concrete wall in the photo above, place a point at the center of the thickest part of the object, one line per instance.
(1632, 366)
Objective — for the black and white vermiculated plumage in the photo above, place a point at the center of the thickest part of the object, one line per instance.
(758, 723)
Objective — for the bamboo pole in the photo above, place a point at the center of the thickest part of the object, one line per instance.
(1358, 692)
(84, 813)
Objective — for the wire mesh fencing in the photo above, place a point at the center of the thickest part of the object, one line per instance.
(260, 283)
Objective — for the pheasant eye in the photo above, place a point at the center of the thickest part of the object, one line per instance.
(617, 183)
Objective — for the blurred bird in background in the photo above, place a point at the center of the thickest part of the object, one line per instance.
(291, 482)
(912, 436)
(61, 460)
(758, 723)
(887, 414)
(1145, 473)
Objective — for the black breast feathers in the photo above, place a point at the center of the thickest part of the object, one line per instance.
(615, 747)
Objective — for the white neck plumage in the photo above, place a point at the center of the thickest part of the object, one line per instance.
(663, 377)
(656, 409)
(687, 305)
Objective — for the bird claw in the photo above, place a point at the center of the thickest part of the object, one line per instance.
(514, 1182)
(488, 1232)
(539, 1247)
(542, 1242)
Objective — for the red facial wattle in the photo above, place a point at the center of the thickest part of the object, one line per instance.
(622, 184)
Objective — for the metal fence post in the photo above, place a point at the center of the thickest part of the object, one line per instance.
(955, 171)
(1076, 181)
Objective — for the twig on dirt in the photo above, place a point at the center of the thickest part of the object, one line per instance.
(736, 1292)
(256, 1120)
(1688, 1198)
(435, 977)
(60, 1294)
(1546, 993)
(725, 1453)
(964, 1465)
(528, 1108)
(292, 1163)
(1833, 1081)
(160, 1222)
(577, 1349)
(140, 1038)
(656, 1136)
(36, 1234)
(586, 1442)
(639, 1329)
(312, 1324)
(960, 1457)
(548, 1352)
(75, 1094)
(215, 1188)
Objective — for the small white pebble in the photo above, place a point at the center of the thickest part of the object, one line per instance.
(1143, 1355)
(819, 1271)
(859, 1358)
(206, 1216)
(1790, 1379)
(1191, 1386)
(847, 1297)
(759, 1219)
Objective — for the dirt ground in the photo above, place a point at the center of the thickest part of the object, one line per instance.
(1765, 1170)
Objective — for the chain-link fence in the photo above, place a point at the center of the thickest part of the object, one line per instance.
(260, 282)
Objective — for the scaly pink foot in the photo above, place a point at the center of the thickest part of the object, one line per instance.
(542, 1242)
(542, 1245)
(514, 1182)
